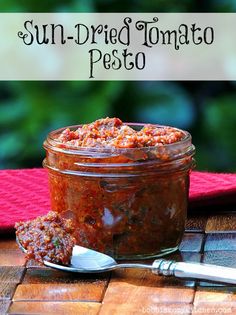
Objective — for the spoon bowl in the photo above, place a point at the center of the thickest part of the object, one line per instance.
(86, 260)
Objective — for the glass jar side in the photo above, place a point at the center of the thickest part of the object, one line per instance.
(124, 217)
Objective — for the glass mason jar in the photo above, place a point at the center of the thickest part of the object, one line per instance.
(129, 203)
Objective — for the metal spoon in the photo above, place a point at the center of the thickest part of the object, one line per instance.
(86, 260)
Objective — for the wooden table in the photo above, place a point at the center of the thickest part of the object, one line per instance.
(26, 288)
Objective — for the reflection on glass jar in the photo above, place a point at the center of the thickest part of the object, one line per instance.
(128, 203)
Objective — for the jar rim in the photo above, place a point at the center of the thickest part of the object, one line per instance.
(52, 142)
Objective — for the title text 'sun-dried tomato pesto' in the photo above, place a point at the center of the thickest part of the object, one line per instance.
(126, 185)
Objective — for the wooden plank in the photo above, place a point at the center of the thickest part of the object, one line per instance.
(8, 243)
(137, 289)
(11, 257)
(192, 242)
(196, 224)
(11, 274)
(4, 305)
(48, 275)
(222, 258)
(7, 290)
(217, 297)
(221, 223)
(220, 241)
(135, 309)
(211, 308)
(59, 308)
(60, 292)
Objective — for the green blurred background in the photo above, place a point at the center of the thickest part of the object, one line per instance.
(29, 110)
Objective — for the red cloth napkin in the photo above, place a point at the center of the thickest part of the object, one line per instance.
(210, 189)
(24, 193)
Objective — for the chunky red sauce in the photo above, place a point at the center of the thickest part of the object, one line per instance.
(112, 132)
(49, 237)
(128, 194)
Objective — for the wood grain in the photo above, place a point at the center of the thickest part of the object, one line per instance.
(192, 242)
(211, 308)
(60, 292)
(222, 258)
(11, 274)
(196, 224)
(59, 308)
(4, 305)
(221, 223)
(216, 296)
(11, 257)
(220, 241)
(6, 243)
(140, 289)
(155, 309)
(47, 275)
(7, 290)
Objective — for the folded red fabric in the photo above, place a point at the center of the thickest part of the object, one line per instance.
(208, 189)
(25, 195)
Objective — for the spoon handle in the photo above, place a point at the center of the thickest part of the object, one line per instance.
(194, 271)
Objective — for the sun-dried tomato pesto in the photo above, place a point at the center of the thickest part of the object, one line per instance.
(125, 184)
(48, 237)
(112, 132)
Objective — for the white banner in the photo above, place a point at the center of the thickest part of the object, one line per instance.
(117, 46)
